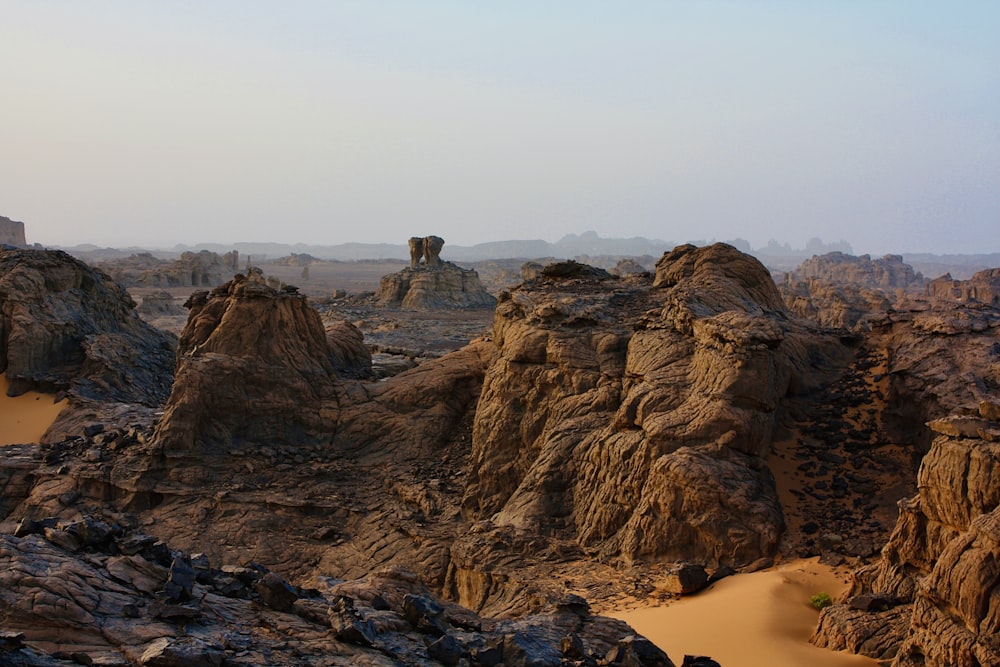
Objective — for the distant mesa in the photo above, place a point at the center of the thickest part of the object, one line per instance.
(12, 233)
(431, 283)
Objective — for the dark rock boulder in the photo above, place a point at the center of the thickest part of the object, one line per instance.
(67, 326)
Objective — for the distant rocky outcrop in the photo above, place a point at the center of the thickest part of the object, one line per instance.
(12, 233)
(430, 283)
(840, 290)
(158, 304)
(65, 326)
(932, 598)
(983, 287)
(191, 269)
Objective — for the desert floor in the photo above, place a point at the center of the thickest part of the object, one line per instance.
(748, 620)
(25, 418)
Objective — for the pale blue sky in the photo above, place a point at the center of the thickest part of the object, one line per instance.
(153, 123)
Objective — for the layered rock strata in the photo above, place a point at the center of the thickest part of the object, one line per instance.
(12, 233)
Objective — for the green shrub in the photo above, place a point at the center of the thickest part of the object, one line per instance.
(821, 600)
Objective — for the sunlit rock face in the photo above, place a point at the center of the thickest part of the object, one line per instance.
(634, 414)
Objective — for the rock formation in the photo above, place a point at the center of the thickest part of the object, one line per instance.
(66, 326)
(983, 287)
(433, 284)
(607, 400)
(935, 588)
(158, 304)
(191, 269)
(268, 375)
(839, 290)
(427, 248)
(12, 233)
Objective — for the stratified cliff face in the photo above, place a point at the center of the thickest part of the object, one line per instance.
(67, 326)
(633, 415)
(11, 232)
(939, 576)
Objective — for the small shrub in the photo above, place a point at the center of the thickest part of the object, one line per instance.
(821, 600)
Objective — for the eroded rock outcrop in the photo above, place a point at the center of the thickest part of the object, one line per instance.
(67, 326)
(940, 571)
(253, 365)
(430, 287)
(840, 290)
(12, 233)
(634, 415)
(983, 287)
(191, 269)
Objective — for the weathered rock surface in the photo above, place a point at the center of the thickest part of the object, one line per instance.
(842, 291)
(983, 287)
(95, 593)
(942, 561)
(253, 366)
(65, 326)
(608, 400)
(12, 233)
(434, 286)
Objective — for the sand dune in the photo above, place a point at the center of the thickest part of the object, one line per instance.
(749, 620)
(25, 418)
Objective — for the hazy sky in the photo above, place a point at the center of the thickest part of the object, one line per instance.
(327, 121)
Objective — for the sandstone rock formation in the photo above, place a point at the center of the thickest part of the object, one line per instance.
(12, 233)
(191, 269)
(67, 326)
(983, 287)
(606, 401)
(434, 286)
(939, 575)
(839, 290)
(427, 248)
(158, 304)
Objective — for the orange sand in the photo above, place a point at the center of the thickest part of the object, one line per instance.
(749, 620)
(25, 419)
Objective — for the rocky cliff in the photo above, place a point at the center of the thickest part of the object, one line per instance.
(982, 287)
(65, 326)
(12, 233)
(932, 598)
(608, 399)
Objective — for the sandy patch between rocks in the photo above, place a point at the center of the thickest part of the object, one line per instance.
(748, 620)
(25, 418)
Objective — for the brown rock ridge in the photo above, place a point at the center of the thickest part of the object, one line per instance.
(840, 290)
(983, 287)
(936, 585)
(65, 326)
